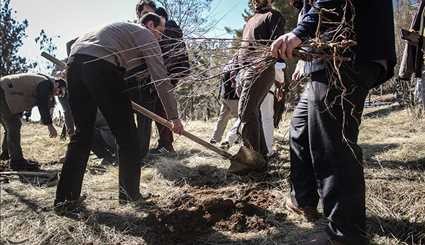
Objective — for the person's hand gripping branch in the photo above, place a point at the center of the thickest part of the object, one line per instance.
(284, 46)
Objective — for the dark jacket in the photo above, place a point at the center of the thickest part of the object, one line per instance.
(262, 28)
(373, 27)
(174, 51)
(175, 57)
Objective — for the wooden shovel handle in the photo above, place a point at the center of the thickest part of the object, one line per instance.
(28, 173)
(188, 135)
(54, 60)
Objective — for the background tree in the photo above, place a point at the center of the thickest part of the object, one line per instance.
(193, 16)
(12, 33)
(47, 44)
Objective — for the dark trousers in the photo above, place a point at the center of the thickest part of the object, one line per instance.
(254, 90)
(326, 161)
(92, 85)
(145, 97)
(165, 135)
(69, 120)
(148, 98)
(104, 144)
(12, 125)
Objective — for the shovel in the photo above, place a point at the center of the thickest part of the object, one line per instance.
(245, 160)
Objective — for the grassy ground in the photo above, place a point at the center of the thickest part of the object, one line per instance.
(195, 201)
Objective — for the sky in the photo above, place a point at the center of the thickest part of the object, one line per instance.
(66, 19)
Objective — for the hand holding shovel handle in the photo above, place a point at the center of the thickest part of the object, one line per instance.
(188, 135)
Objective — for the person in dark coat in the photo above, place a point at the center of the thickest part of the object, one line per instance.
(326, 161)
(177, 63)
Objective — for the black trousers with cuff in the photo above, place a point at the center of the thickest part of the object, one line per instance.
(99, 84)
(326, 161)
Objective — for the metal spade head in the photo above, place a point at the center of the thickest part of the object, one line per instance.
(247, 160)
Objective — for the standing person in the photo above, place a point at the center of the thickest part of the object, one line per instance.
(326, 161)
(176, 60)
(229, 101)
(19, 93)
(96, 69)
(264, 26)
(140, 88)
(177, 63)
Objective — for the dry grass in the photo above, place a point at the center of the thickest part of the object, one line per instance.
(394, 151)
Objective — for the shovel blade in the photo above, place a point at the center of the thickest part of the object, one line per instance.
(247, 160)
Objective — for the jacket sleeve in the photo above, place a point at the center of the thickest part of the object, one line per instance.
(306, 28)
(44, 94)
(175, 51)
(151, 53)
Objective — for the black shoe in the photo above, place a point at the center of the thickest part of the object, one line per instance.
(123, 200)
(162, 151)
(24, 165)
(212, 141)
(70, 209)
(4, 156)
(108, 161)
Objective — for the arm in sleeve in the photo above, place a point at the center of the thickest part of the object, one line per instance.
(44, 91)
(151, 53)
(306, 28)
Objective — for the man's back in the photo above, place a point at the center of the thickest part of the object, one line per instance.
(20, 90)
(119, 43)
(261, 29)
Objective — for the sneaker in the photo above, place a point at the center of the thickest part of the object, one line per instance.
(225, 145)
(162, 151)
(309, 213)
(24, 165)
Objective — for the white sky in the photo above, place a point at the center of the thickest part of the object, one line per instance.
(71, 18)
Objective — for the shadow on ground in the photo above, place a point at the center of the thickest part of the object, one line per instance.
(403, 230)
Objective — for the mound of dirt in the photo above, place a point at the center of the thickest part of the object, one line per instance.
(194, 214)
